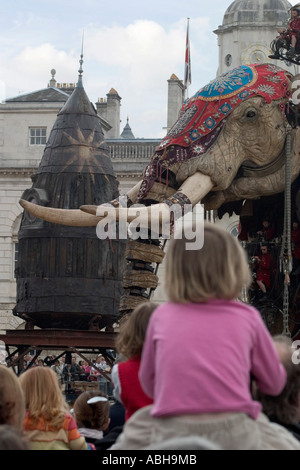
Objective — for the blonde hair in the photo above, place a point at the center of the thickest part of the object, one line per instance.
(131, 337)
(218, 270)
(12, 404)
(43, 397)
(94, 415)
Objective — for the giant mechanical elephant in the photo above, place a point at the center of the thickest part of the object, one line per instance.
(228, 144)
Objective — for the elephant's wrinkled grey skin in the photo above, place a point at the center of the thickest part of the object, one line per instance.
(272, 144)
(253, 134)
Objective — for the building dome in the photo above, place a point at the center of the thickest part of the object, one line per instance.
(258, 12)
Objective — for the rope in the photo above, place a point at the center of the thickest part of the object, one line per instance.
(286, 251)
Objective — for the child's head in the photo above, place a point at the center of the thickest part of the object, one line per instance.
(266, 223)
(43, 396)
(285, 406)
(12, 405)
(131, 337)
(11, 439)
(218, 270)
(91, 410)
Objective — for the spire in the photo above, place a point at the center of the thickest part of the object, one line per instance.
(127, 132)
(79, 83)
(79, 102)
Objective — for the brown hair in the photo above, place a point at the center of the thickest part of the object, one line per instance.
(43, 397)
(218, 270)
(131, 337)
(12, 404)
(285, 406)
(11, 439)
(91, 416)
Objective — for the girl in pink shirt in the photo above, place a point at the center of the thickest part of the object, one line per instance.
(203, 346)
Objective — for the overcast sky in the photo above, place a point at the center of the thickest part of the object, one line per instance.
(133, 46)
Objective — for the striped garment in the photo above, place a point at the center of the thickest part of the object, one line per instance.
(44, 437)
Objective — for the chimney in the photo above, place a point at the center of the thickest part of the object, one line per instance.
(175, 99)
(52, 82)
(109, 109)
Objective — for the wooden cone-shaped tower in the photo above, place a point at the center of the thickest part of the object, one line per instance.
(66, 276)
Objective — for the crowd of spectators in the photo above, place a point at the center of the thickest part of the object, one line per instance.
(200, 371)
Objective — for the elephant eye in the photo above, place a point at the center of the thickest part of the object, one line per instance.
(251, 113)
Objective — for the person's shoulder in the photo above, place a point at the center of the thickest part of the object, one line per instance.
(246, 308)
(109, 439)
(167, 307)
(160, 310)
(69, 423)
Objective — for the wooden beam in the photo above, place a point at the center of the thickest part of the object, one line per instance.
(59, 339)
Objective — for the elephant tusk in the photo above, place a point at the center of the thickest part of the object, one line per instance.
(194, 188)
(197, 186)
(71, 217)
(133, 192)
(84, 217)
(89, 209)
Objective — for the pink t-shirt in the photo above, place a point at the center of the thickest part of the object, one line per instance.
(198, 357)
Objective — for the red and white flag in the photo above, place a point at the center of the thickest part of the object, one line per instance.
(187, 65)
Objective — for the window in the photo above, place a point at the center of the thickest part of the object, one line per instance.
(15, 244)
(16, 253)
(37, 135)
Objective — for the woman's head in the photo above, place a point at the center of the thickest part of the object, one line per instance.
(43, 396)
(12, 405)
(132, 334)
(218, 270)
(91, 410)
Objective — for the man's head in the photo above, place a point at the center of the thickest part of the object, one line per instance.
(285, 407)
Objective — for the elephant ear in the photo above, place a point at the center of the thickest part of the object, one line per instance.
(203, 116)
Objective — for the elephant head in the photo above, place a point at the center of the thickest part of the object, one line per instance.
(227, 144)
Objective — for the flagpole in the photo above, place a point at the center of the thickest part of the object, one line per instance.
(187, 62)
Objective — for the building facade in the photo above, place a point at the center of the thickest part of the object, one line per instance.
(247, 30)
